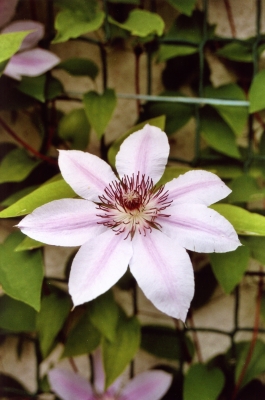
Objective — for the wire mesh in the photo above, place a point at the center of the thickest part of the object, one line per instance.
(198, 157)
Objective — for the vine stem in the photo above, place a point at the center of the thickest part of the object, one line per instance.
(230, 17)
(195, 337)
(135, 312)
(137, 52)
(33, 10)
(26, 145)
(253, 340)
(73, 364)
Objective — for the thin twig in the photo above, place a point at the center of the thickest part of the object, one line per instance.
(26, 145)
(195, 338)
(73, 364)
(137, 53)
(253, 340)
(230, 17)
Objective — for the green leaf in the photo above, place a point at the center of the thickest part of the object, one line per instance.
(28, 244)
(3, 64)
(80, 67)
(235, 117)
(177, 114)
(168, 51)
(243, 189)
(244, 222)
(256, 245)
(165, 342)
(235, 51)
(217, 133)
(256, 365)
(21, 273)
(142, 23)
(17, 195)
(184, 6)
(99, 109)
(75, 128)
(171, 173)
(53, 313)
(83, 338)
(73, 23)
(34, 87)
(225, 171)
(46, 193)
(207, 382)
(104, 315)
(189, 29)
(256, 92)
(16, 316)
(118, 353)
(54, 88)
(159, 122)
(10, 43)
(16, 166)
(203, 292)
(229, 268)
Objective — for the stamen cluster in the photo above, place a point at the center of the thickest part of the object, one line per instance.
(132, 204)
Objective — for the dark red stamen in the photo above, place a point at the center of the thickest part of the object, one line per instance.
(131, 204)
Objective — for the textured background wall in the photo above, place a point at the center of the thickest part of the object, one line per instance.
(219, 312)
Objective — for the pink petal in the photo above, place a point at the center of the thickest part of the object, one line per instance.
(33, 38)
(31, 63)
(145, 151)
(67, 222)
(150, 385)
(86, 173)
(7, 11)
(69, 386)
(198, 228)
(99, 374)
(197, 187)
(98, 265)
(164, 272)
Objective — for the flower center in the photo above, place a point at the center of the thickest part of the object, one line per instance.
(132, 205)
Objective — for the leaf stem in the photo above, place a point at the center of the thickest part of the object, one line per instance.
(230, 17)
(26, 145)
(73, 364)
(195, 337)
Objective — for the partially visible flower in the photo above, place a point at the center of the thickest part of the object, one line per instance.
(29, 60)
(128, 221)
(149, 385)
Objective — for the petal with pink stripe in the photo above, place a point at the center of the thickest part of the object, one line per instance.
(197, 187)
(67, 222)
(198, 228)
(150, 385)
(33, 62)
(33, 38)
(69, 386)
(86, 173)
(145, 151)
(164, 272)
(98, 265)
(7, 11)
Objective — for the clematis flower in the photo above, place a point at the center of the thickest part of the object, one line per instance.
(29, 60)
(128, 221)
(149, 385)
